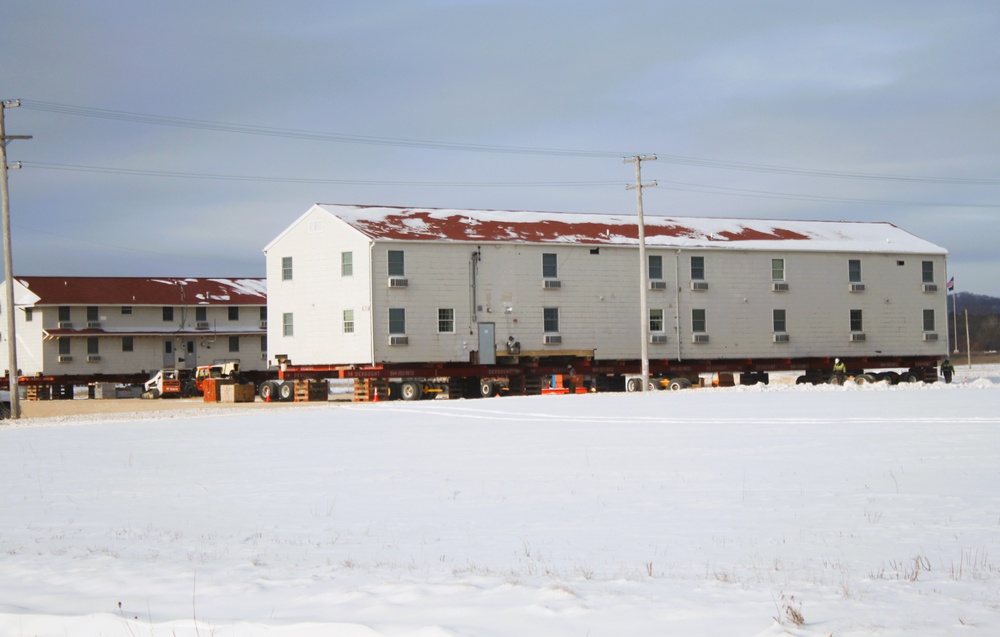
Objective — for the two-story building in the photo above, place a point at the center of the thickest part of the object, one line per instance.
(87, 326)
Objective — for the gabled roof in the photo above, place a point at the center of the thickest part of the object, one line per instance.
(167, 291)
(388, 223)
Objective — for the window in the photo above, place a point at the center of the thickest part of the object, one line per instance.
(346, 264)
(777, 269)
(397, 265)
(234, 313)
(234, 343)
(64, 314)
(168, 347)
(128, 345)
(927, 271)
(29, 314)
(348, 321)
(287, 324)
(550, 319)
(655, 266)
(857, 324)
(698, 322)
(656, 320)
(64, 345)
(854, 271)
(93, 315)
(263, 312)
(928, 320)
(168, 314)
(446, 320)
(126, 310)
(397, 320)
(697, 268)
(550, 266)
(263, 343)
(286, 268)
(778, 320)
(201, 314)
(92, 346)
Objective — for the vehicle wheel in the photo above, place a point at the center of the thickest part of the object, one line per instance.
(410, 390)
(835, 380)
(801, 380)
(864, 379)
(285, 391)
(675, 385)
(488, 389)
(909, 377)
(634, 384)
(395, 389)
(267, 390)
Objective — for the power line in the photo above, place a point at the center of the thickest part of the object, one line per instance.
(668, 184)
(269, 131)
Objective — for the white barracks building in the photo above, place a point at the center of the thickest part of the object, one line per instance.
(370, 285)
(91, 326)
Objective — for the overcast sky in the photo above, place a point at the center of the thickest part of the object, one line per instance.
(179, 138)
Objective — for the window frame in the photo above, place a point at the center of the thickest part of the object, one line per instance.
(397, 321)
(699, 320)
(697, 268)
(168, 313)
(234, 344)
(234, 312)
(446, 320)
(396, 262)
(854, 270)
(654, 267)
(65, 345)
(346, 264)
(929, 321)
(777, 269)
(550, 320)
(287, 268)
(288, 324)
(857, 320)
(201, 314)
(779, 320)
(550, 265)
(347, 321)
(128, 343)
(657, 322)
(927, 272)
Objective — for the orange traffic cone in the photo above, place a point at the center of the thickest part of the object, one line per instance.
(376, 394)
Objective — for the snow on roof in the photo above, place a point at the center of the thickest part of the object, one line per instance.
(82, 290)
(437, 224)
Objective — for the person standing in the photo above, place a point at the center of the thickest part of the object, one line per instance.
(947, 370)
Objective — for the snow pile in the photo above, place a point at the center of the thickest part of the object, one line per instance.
(789, 509)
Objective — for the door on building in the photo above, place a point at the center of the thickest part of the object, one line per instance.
(190, 354)
(168, 353)
(487, 344)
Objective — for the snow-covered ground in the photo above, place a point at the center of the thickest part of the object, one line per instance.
(869, 510)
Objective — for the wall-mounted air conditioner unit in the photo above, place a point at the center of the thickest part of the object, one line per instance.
(657, 285)
(781, 338)
(396, 282)
(699, 285)
(857, 337)
(93, 358)
(658, 339)
(65, 325)
(65, 358)
(930, 336)
(552, 284)
(263, 325)
(857, 287)
(93, 324)
(399, 340)
(779, 286)
(699, 338)
(553, 339)
(201, 325)
(929, 287)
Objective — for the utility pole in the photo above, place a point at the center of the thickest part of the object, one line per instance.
(8, 262)
(643, 266)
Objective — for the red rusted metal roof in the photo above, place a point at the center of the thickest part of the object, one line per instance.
(392, 223)
(55, 290)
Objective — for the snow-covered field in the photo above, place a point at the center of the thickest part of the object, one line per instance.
(789, 509)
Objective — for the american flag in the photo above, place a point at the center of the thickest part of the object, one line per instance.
(951, 284)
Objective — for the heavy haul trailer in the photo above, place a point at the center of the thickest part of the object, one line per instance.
(534, 376)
